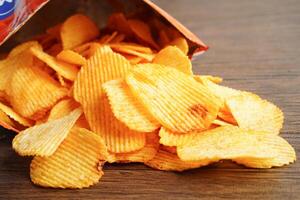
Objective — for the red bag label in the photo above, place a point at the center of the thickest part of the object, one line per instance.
(14, 12)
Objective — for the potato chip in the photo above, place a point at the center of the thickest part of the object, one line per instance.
(15, 116)
(77, 163)
(6, 122)
(44, 139)
(133, 47)
(220, 122)
(169, 149)
(77, 30)
(142, 31)
(203, 78)
(71, 57)
(103, 66)
(170, 162)
(252, 112)
(68, 71)
(172, 56)
(23, 47)
(175, 99)
(32, 92)
(62, 108)
(143, 155)
(169, 138)
(148, 57)
(180, 43)
(127, 108)
(228, 142)
(118, 22)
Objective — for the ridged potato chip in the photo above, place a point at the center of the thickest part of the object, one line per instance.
(44, 139)
(103, 66)
(181, 43)
(77, 30)
(143, 155)
(23, 47)
(229, 142)
(172, 56)
(175, 99)
(127, 108)
(146, 56)
(166, 161)
(62, 108)
(77, 163)
(133, 47)
(142, 31)
(32, 92)
(71, 57)
(252, 112)
(170, 138)
(67, 70)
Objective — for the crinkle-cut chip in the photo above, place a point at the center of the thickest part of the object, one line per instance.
(169, 149)
(44, 139)
(203, 78)
(285, 155)
(32, 92)
(77, 163)
(6, 122)
(67, 70)
(143, 155)
(71, 57)
(175, 99)
(132, 46)
(15, 116)
(252, 112)
(228, 142)
(142, 31)
(181, 43)
(93, 48)
(166, 161)
(103, 66)
(172, 56)
(127, 108)
(170, 138)
(77, 30)
(54, 50)
(54, 31)
(23, 47)
(146, 56)
(220, 122)
(62, 108)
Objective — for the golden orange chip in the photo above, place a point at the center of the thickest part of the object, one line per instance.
(77, 30)
(229, 142)
(77, 163)
(181, 43)
(169, 138)
(166, 161)
(6, 122)
(62, 108)
(44, 139)
(142, 31)
(23, 47)
(103, 66)
(32, 92)
(220, 122)
(127, 108)
(15, 116)
(133, 47)
(204, 78)
(175, 99)
(226, 115)
(66, 70)
(172, 56)
(169, 149)
(71, 57)
(143, 155)
(252, 112)
(146, 56)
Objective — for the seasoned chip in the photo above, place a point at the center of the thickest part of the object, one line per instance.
(252, 112)
(228, 142)
(103, 66)
(172, 56)
(142, 31)
(133, 47)
(68, 71)
(71, 57)
(77, 30)
(127, 108)
(15, 116)
(175, 99)
(166, 161)
(181, 43)
(146, 56)
(62, 108)
(32, 92)
(143, 155)
(77, 163)
(44, 139)
(170, 138)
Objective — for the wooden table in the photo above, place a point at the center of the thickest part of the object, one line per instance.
(255, 47)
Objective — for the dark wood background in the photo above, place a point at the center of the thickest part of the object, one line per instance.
(254, 46)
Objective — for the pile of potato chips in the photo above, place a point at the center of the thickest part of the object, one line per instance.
(78, 98)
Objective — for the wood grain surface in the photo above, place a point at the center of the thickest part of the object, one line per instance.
(255, 46)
